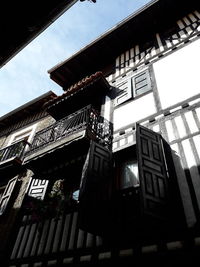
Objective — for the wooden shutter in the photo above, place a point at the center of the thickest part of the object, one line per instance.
(7, 194)
(141, 83)
(37, 188)
(154, 180)
(95, 188)
(124, 92)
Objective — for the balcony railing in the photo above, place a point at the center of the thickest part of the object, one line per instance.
(13, 151)
(98, 128)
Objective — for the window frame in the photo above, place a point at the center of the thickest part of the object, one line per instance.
(23, 134)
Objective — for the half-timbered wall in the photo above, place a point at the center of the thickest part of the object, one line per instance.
(180, 126)
(172, 106)
(172, 61)
(185, 30)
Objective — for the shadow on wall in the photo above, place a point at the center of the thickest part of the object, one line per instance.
(188, 180)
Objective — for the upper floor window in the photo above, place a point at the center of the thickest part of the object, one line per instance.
(25, 134)
(133, 86)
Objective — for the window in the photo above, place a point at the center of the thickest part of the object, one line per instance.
(132, 87)
(20, 141)
(25, 134)
(129, 174)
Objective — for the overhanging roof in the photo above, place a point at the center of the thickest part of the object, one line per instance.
(22, 21)
(29, 108)
(152, 18)
(78, 95)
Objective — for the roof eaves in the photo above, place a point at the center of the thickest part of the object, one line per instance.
(117, 26)
(49, 94)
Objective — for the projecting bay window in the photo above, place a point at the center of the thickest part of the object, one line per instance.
(132, 86)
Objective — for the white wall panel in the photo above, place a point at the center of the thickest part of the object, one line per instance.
(177, 75)
(134, 111)
(107, 108)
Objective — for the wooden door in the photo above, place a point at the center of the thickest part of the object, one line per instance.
(154, 179)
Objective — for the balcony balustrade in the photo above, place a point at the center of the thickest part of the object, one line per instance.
(13, 151)
(98, 129)
(11, 158)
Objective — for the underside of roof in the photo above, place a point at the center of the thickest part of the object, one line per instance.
(35, 105)
(154, 17)
(87, 91)
(22, 21)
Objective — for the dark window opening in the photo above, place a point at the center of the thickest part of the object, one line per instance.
(50, 195)
(65, 183)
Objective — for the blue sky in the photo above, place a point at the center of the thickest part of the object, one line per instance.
(25, 76)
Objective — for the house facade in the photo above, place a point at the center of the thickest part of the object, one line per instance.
(17, 130)
(110, 174)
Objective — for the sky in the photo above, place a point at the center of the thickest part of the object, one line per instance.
(26, 77)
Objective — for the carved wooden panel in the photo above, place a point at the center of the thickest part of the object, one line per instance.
(154, 179)
(95, 188)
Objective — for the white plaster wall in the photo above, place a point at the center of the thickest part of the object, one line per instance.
(107, 108)
(134, 111)
(178, 75)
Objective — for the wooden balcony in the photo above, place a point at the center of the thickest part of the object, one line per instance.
(11, 158)
(68, 134)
